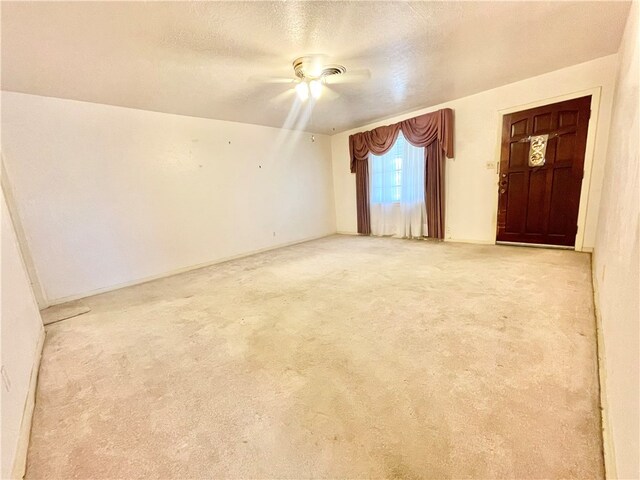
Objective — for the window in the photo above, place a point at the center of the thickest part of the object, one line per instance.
(386, 182)
(387, 171)
(396, 191)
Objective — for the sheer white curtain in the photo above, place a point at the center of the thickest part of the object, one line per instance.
(397, 191)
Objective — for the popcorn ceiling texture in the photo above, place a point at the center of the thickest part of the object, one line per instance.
(195, 58)
(345, 357)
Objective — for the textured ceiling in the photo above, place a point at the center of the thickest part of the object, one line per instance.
(196, 58)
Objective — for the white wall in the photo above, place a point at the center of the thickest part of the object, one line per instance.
(616, 265)
(20, 329)
(471, 184)
(109, 195)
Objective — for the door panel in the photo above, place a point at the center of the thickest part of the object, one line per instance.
(567, 119)
(519, 128)
(560, 213)
(542, 123)
(535, 217)
(516, 198)
(519, 155)
(565, 147)
(540, 204)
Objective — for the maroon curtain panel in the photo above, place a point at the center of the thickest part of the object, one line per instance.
(434, 132)
(362, 198)
(434, 190)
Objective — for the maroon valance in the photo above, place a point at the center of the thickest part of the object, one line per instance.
(433, 130)
(419, 131)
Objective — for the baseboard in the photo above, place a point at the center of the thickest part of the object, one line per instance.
(476, 242)
(607, 437)
(536, 245)
(91, 293)
(20, 461)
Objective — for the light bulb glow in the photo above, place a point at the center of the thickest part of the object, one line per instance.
(302, 89)
(315, 87)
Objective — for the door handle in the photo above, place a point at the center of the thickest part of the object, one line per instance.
(502, 190)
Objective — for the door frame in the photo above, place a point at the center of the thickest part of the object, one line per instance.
(588, 155)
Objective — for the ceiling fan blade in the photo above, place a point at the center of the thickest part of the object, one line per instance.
(266, 79)
(329, 93)
(352, 76)
(282, 96)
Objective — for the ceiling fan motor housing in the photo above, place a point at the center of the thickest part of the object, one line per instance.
(307, 68)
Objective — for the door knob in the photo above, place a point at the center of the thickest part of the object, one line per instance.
(503, 183)
(502, 190)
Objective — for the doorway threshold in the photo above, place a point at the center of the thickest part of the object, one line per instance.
(536, 245)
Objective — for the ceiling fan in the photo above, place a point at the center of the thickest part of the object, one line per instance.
(313, 74)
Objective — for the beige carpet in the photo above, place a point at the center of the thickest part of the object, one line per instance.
(346, 357)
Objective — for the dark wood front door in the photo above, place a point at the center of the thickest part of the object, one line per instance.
(539, 199)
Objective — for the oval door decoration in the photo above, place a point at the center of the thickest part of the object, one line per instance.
(537, 150)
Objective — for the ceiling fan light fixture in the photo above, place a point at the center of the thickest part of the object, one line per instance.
(302, 89)
(313, 77)
(315, 87)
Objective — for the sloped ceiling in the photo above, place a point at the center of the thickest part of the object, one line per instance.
(195, 58)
